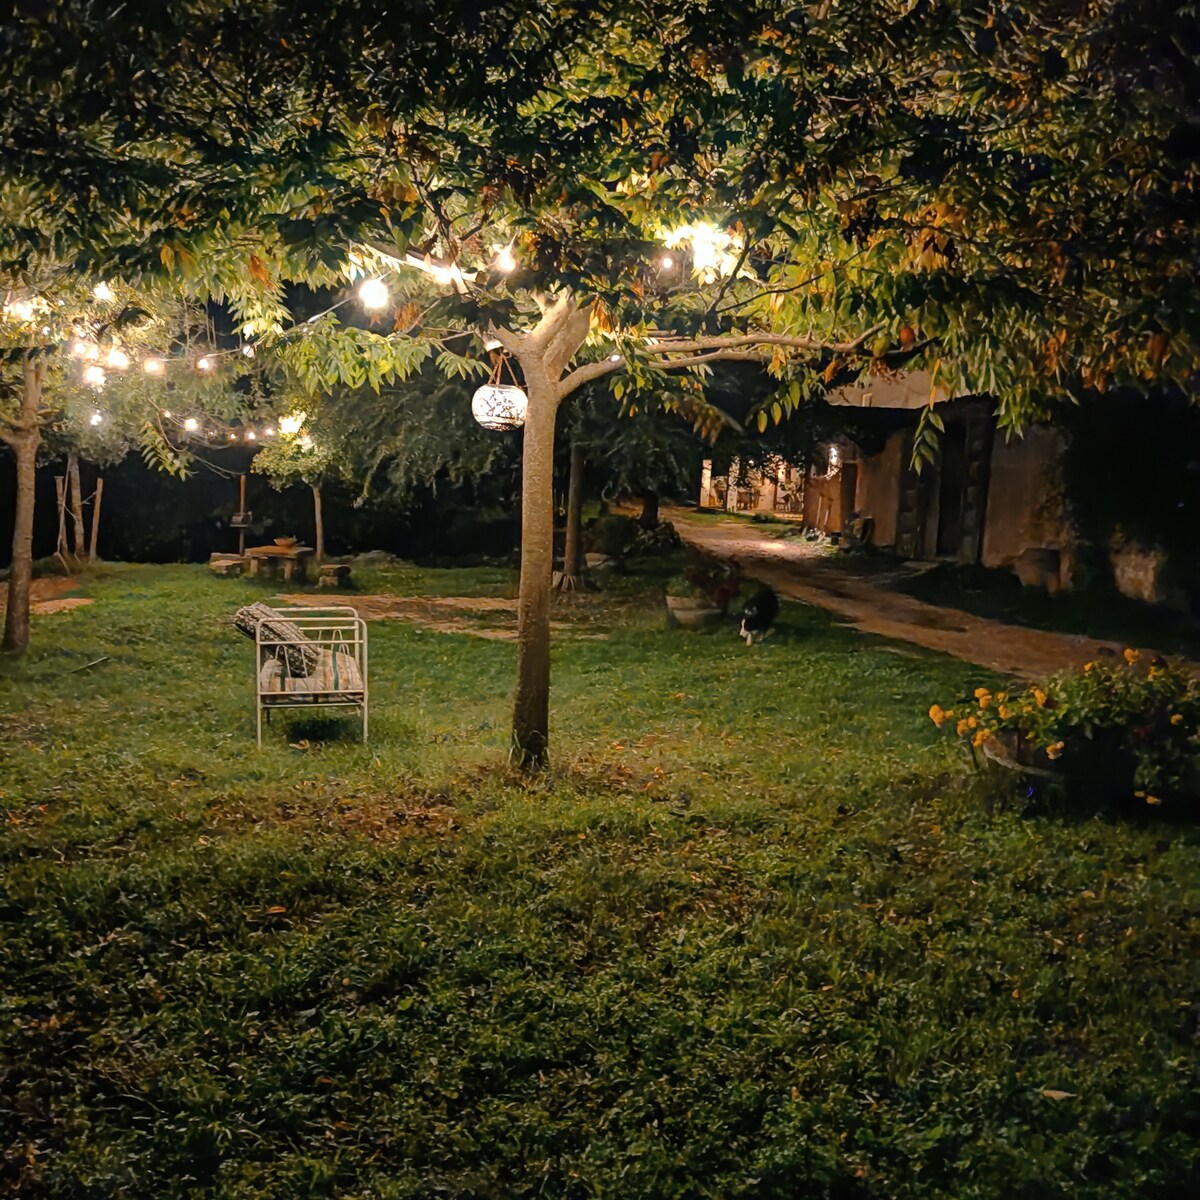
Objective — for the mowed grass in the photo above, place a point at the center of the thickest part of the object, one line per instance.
(760, 932)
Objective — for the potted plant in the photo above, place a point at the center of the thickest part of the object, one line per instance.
(1119, 728)
(699, 597)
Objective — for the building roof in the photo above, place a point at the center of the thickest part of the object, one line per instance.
(903, 390)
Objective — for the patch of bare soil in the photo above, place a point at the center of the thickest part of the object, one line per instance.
(490, 617)
(48, 595)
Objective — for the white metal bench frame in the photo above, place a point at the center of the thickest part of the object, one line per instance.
(335, 629)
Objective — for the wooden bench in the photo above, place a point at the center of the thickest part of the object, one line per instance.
(227, 564)
(334, 575)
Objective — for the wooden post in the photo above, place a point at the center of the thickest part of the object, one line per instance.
(75, 492)
(60, 492)
(320, 524)
(242, 509)
(96, 517)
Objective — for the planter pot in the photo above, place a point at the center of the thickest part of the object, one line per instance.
(1096, 770)
(693, 612)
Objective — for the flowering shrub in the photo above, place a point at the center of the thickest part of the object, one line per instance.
(1145, 714)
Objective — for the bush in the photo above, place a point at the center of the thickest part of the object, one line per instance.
(662, 538)
(1115, 725)
(611, 534)
(717, 580)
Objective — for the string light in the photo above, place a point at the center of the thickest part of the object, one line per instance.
(373, 293)
(505, 261)
(97, 418)
(153, 366)
(291, 424)
(191, 424)
(666, 262)
(21, 309)
(82, 349)
(248, 351)
(269, 431)
(94, 376)
(251, 435)
(205, 364)
(117, 359)
(103, 292)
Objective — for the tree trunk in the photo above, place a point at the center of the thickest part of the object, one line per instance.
(24, 442)
(531, 710)
(76, 493)
(572, 572)
(320, 524)
(96, 517)
(649, 517)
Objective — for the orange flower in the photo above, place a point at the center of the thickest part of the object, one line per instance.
(1131, 656)
(1153, 800)
(1040, 697)
(972, 722)
(1087, 667)
(1177, 718)
(980, 693)
(962, 727)
(1052, 752)
(1005, 712)
(937, 714)
(981, 737)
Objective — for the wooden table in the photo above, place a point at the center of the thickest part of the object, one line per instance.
(291, 561)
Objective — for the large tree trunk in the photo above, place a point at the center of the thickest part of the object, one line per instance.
(76, 491)
(531, 711)
(572, 572)
(320, 524)
(649, 517)
(24, 442)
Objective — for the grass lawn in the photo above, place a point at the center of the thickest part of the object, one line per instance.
(760, 933)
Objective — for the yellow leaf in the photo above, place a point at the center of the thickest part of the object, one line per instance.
(1054, 1094)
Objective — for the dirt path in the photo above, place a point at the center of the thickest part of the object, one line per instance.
(46, 595)
(797, 569)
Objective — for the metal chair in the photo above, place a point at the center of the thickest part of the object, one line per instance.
(310, 658)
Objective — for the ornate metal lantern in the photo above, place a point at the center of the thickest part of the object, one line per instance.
(498, 405)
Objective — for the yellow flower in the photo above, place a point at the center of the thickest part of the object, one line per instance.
(937, 715)
(1087, 667)
(972, 722)
(981, 737)
(1131, 656)
(980, 693)
(1153, 800)
(1040, 697)
(1001, 697)
(1005, 712)
(984, 701)
(1052, 752)
(962, 727)
(1027, 708)
(1177, 718)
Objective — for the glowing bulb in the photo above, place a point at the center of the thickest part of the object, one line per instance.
(231, 436)
(505, 261)
(82, 349)
(94, 376)
(666, 262)
(21, 309)
(373, 293)
(248, 351)
(447, 275)
(205, 364)
(153, 366)
(292, 424)
(191, 424)
(251, 435)
(102, 292)
(614, 358)
(166, 412)
(97, 418)
(306, 442)
(269, 431)
(117, 359)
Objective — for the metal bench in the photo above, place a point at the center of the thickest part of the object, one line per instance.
(309, 658)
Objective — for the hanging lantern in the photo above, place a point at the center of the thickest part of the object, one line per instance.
(499, 405)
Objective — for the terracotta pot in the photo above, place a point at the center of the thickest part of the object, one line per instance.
(693, 612)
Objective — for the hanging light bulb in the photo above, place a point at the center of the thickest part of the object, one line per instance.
(505, 260)
(205, 364)
(94, 376)
(117, 359)
(191, 424)
(373, 293)
(97, 418)
(251, 435)
(103, 292)
(499, 406)
(153, 366)
(231, 436)
(291, 424)
(84, 349)
(306, 442)
(166, 412)
(269, 431)
(248, 350)
(666, 262)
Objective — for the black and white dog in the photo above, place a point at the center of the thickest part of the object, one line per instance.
(759, 615)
